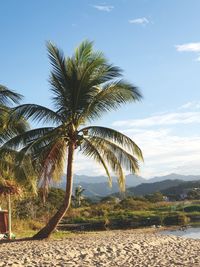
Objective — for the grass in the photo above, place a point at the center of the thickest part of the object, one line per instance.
(29, 233)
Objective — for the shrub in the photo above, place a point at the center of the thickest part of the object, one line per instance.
(176, 219)
(193, 208)
(155, 197)
(150, 220)
(132, 204)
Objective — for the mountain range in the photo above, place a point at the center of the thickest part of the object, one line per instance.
(97, 187)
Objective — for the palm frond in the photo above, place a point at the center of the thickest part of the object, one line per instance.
(110, 97)
(83, 52)
(12, 168)
(52, 162)
(60, 77)
(113, 162)
(36, 113)
(27, 137)
(115, 136)
(128, 161)
(104, 154)
(8, 97)
(10, 127)
(90, 150)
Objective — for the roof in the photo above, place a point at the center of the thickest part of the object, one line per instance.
(9, 187)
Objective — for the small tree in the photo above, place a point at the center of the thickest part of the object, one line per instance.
(78, 197)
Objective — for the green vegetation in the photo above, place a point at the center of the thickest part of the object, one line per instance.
(193, 208)
(30, 214)
(133, 212)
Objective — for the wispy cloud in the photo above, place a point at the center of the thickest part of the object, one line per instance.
(166, 152)
(105, 8)
(140, 21)
(165, 149)
(163, 119)
(192, 105)
(189, 47)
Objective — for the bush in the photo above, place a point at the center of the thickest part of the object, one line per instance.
(155, 197)
(132, 204)
(176, 219)
(193, 208)
(151, 220)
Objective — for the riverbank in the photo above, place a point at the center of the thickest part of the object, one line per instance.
(138, 248)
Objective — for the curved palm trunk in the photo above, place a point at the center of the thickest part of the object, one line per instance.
(53, 222)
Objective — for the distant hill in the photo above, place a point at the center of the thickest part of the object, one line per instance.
(131, 180)
(177, 190)
(96, 191)
(97, 187)
(174, 176)
(149, 188)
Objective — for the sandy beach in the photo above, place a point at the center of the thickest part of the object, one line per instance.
(136, 248)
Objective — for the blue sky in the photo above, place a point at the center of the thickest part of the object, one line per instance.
(156, 42)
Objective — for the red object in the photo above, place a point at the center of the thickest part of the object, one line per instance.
(3, 221)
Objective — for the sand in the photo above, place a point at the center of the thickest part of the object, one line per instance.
(110, 249)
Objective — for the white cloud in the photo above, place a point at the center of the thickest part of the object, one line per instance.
(163, 119)
(198, 58)
(190, 47)
(192, 105)
(165, 152)
(105, 8)
(141, 21)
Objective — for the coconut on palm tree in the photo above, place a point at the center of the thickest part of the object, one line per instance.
(84, 87)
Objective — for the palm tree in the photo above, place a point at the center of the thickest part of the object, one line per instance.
(11, 169)
(84, 87)
(78, 196)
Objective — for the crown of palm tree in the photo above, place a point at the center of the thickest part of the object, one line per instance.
(84, 87)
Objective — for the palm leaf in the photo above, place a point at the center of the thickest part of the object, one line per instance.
(128, 161)
(8, 97)
(90, 150)
(115, 136)
(110, 97)
(36, 113)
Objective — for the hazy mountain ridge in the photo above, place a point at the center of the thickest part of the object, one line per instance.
(149, 188)
(187, 185)
(97, 186)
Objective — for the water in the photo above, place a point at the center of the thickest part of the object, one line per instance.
(189, 233)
